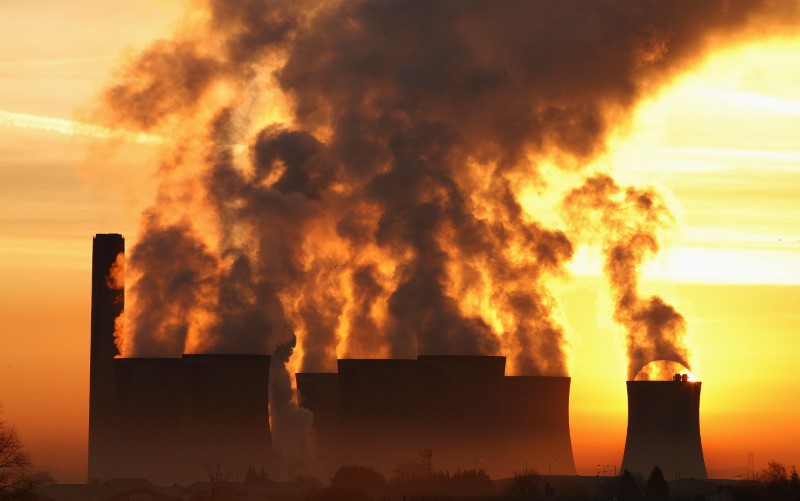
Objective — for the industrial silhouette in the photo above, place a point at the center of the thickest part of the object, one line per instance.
(462, 407)
(164, 418)
(107, 303)
(664, 428)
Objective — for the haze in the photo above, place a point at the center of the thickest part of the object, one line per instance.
(720, 142)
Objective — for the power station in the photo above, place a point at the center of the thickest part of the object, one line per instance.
(664, 428)
(166, 419)
(463, 408)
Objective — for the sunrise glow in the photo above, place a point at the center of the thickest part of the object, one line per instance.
(719, 144)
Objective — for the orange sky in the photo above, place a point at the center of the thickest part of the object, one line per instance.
(721, 143)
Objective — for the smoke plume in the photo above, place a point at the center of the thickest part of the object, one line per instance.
(629, 224)
(290, 424)
(349, 172)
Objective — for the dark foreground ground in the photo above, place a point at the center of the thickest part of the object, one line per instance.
(361, 484)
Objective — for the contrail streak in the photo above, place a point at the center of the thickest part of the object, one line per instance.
(72, 128)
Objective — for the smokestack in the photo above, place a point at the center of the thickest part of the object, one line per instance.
(664, 428)
(107, 304)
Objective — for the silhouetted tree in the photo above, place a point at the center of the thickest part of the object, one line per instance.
(359, 478)
(438, 484)
(42, 478)
(14, 463)
(657, 488)
(775, 482)
(775, 474)
(250, 476)
(628, 490)
(470, 483)
(218, 482)
(524, 485)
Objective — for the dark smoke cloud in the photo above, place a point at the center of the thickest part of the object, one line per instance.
(171, 78)
(178, 274)
(383, 217)
(166, 79)
(262, 228)
(629, 222)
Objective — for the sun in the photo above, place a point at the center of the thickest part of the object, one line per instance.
(664, 370)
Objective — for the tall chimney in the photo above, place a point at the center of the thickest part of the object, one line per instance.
(107, 304)
(664, 429)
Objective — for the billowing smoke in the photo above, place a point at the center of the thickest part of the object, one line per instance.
(629, 224)
(290, 424)
(350, 172)
(174, 278)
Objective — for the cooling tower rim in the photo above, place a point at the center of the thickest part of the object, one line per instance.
(461, 357)
(539, 378)
(223, 356)
(653, 383)
(422, 357)
(188, 356)
(375, 362)
(146, 360)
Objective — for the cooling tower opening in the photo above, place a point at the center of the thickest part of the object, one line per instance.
(664, 370)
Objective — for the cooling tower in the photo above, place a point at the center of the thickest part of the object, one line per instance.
(382, 412)
(225, 416)
(468, 388)
(536, 425)
(166, 418)
(107, 303)
(461, 409)
(175, 416)
(148, 405)
(664, 429)
(377, 411)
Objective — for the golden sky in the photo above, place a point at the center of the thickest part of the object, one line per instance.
(722, 143)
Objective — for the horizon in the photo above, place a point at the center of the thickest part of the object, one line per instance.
(718, 142)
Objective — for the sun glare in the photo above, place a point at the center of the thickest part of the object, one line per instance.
(722, 144)
(665, 370)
